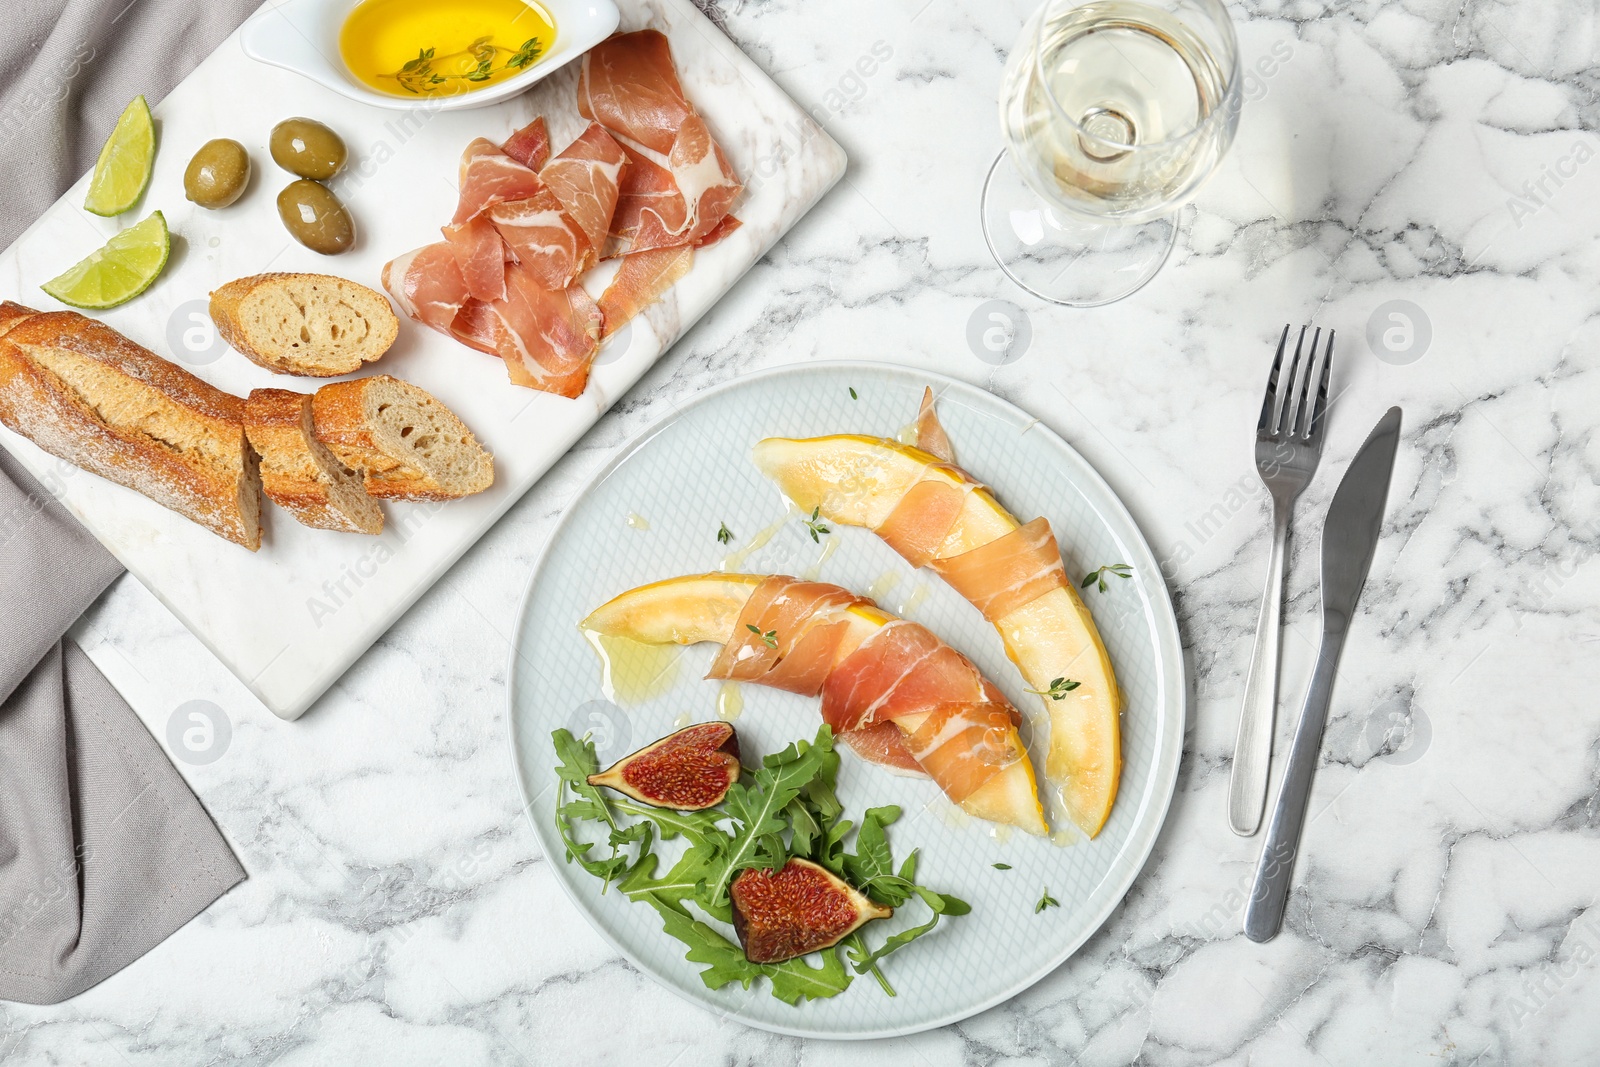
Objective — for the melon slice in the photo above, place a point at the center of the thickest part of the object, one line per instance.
(705, 607)
(856, 480)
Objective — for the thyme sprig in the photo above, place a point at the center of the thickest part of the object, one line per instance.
(1059, 688)
(422, 76)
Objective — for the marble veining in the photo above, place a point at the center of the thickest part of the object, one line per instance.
(1444, 909)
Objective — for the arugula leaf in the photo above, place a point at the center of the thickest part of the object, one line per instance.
(795, 980)
(792, 980)
(820, 791)
(943, 903)
(871, 866)
(831, 854)
(806, 828)
(699, 827)
(814, 831)
(686, 881)
(757, 810)
(578, 761)
(864, 961)
(787, 807)
(940, 904)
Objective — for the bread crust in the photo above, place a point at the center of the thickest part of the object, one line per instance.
(341, 424)
(227, 305)
(277, 421)
(44, 408)
(340, 421)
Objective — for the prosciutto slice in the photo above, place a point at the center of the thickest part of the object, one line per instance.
(481, 255)
(545, 240)
(643, 277)
(931, 437)
(630, 86)
(783, 610)
(677, 198)
(427, 284)
(885, 745)
(902, 669)
(678, 186)
(902, 698)
(719, 231)
(489, 176)
(585, 178)
(476, 326)
(1003, 575)
(997, 578)
(957, 726)
(923, 518)
(530, 145)
(645, 180)
(548, 338)
(963, 745)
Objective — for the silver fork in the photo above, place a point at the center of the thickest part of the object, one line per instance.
(1288, 445)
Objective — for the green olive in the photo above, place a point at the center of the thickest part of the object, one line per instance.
(308, 148)
(314, 217)
(217, 174)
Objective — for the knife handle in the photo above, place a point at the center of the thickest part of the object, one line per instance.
(1269, 894)
(1252, 751)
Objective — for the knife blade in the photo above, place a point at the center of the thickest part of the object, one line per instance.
(1349, 541)
(1355, 519)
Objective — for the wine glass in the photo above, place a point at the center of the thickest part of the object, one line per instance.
(1114, 113)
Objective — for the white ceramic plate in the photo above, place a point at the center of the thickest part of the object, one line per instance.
(654, 512)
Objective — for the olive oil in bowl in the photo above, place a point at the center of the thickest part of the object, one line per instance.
(443, 47)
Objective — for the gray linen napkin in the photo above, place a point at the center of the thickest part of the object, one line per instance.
(104, 851)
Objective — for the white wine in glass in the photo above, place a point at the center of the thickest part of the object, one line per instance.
(1114, 113)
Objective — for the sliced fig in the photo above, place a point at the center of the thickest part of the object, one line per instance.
(687, 770)
(794, 909)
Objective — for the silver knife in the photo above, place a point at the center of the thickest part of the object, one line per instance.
(1349, 538)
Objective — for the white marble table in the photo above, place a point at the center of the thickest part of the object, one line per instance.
(398, 911)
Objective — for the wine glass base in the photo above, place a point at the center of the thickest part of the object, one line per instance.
(1059, 258)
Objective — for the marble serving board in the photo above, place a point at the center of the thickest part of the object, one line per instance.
(290, 619)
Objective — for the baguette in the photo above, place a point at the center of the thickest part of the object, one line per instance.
(313, 325)
(406, 444)
(83, 392)
(298, 473)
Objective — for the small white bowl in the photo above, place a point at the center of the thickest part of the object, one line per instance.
(303, 36)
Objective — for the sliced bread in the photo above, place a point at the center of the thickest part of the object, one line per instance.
(298, 473)
(314, 325)
(406, 444)
(81, 391)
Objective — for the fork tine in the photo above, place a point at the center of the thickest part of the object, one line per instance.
(1322, 391)
(1286, 412)
(1272, 384)
(1302, 405)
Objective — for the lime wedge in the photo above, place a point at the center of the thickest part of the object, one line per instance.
(123, 169)
(118, 272)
